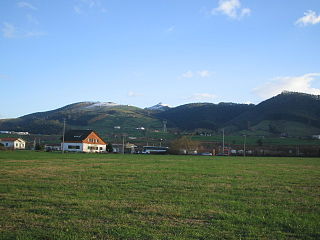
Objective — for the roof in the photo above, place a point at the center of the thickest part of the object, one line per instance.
(130, 145)
(76, 135)
(10, 139)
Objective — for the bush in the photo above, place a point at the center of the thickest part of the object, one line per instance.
(109, 148)
(183, 144)
(38, 147)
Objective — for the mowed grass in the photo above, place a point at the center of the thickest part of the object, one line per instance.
(90, 196)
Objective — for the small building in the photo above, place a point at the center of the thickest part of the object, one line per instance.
(316, 137)
(127, 148)
(22, 133)
(52, 147)
(5, 132)
(130, 148)
(83, 141)
(116, 148)
(13, 143)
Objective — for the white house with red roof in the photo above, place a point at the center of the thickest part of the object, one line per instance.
(13, 143)
(83, 141)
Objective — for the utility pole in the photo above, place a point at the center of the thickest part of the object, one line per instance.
(164, 126)
(244, 145)
(223, 141)
(146, 136)
(122, 143)
(63, 133)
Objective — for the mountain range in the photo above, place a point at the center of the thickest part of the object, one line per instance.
(289, 113)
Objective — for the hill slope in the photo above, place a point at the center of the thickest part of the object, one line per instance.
(99, 116)
(294, 114)
(203, 115)
(289, 112)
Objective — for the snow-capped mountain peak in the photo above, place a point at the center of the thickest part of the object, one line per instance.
(159, 107)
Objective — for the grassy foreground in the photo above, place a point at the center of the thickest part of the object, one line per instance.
(86, 196)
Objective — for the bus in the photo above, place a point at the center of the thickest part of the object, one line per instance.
(155, 150)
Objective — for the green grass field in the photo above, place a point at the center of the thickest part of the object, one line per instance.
(88, 196)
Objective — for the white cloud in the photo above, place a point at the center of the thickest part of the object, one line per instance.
(310, 18)
(188, 74)
(134, 94)
(26, 5)
(170, 29)
(231, 8)
(9, 30)
(77, 9)
(245, 12)
(32, 19)
(3, 116)
(91, 3)
(202, 96)
(34, 34)
(83, 6)
(204, 73)
(294, 84)
(200, 74)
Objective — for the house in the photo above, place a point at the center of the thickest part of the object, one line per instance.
(13, 143)
(128, 148)
(83, 141)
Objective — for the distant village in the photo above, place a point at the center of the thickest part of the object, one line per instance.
(89, 141)
(86, 141)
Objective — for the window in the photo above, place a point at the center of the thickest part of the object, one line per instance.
(73, 147)
(92, 148)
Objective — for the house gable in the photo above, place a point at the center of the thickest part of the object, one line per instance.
(94, 138)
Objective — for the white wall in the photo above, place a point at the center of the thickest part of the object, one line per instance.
(19, 145)
(66, 147)
(7, 144)
(84, 147)
(16, 144)
(101, 148)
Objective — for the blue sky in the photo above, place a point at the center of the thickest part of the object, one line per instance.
(141, 52)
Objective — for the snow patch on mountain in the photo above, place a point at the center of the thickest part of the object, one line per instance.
(159, 107)
(103, 105)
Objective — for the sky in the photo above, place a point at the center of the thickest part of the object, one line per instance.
(142, 52)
